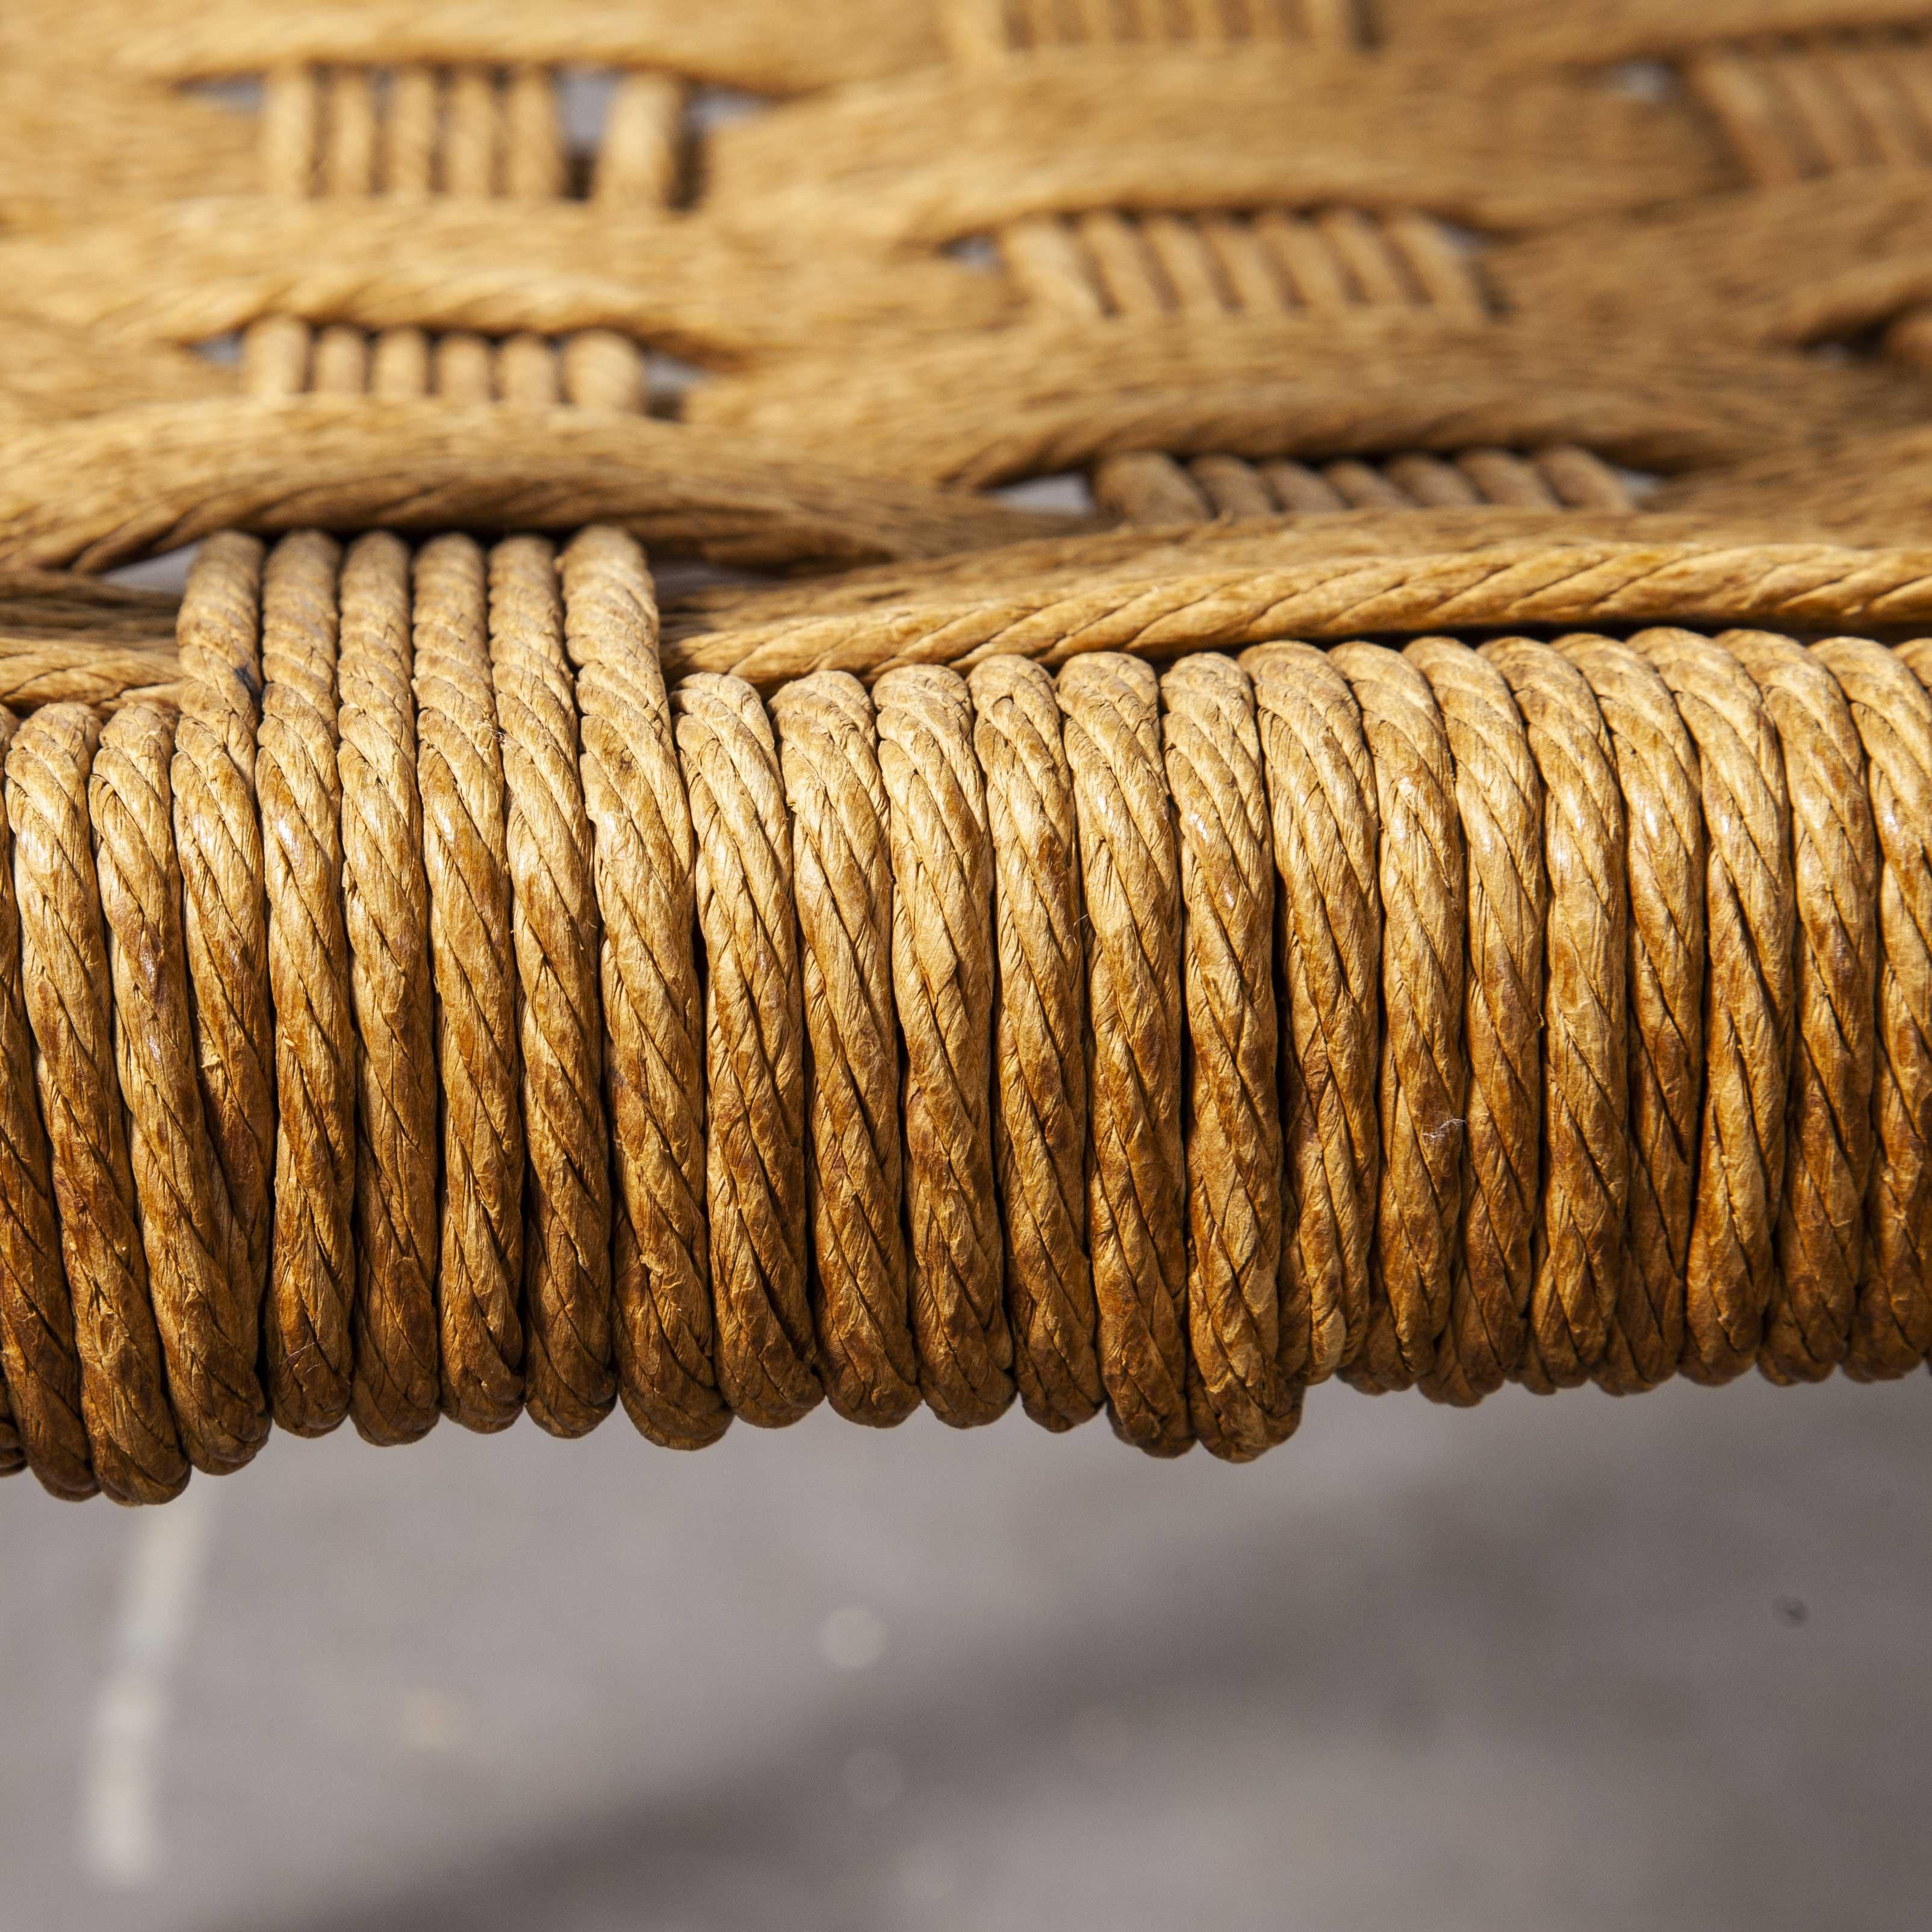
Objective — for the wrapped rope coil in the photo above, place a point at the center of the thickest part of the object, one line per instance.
(434, 1015)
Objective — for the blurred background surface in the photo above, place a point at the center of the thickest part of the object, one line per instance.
(1572, 1663)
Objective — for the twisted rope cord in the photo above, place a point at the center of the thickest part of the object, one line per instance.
(843, 881)
(37, 1347)
(1239, 1403)
(1893, 712)
(943, 981)
(1499, 801)
(1054, 614)
(1040, 1068)
(1748, 1001)
(1658, 773)
(218, 837)
(573, 1380)
(1424, 1074)
(1828, 1125)
(1199, 1037)
(645, 857)
(198, 1272)
(1136, 1182)
(1145, 487)
(1580, 1242)
(131, 1432)
(1321, 796)
(767, 1352)
(306, 1316)
(460, 778)
(386, 893)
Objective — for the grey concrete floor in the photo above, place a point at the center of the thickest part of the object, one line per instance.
(1555, 1664)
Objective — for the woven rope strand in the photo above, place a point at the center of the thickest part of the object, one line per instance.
(767, 1352)
(1893, 712)
(644, 857)
(1750, 908)
(1580, 1243)
(572, 1374)
(218, 839)
(843, 881)
(460, 777)
(386, 910)
(37, 1331)
(135, 1447)
(1040, 1069)
(1321, 796)
(1499, 800)
(1665, 862)
(942, 982)
(1136, 1186)
(198, 1272)
(306, 1317)
(1424, 1074)
(1239, 1402)
(1834, 853)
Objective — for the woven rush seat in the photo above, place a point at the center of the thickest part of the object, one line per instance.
(1113, 707)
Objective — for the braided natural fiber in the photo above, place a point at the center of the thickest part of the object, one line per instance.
(1725, 260)
(1240, 1401)
(1243, 583)
(1424, 1078)
(200, 1275)
(1206, 586)
(652, 1008)
(386, 898)
(1174, 1042)
(307, 1348)
(1658, 772)
(767, 1365)
(1499, 800)
(37, 1322)
(943, 983)
(1821, 1235)
(460, 774)
(101, 490)
(411, 268)
(843, 882)
(1533, 37)
(1747, 1011)
(1146, 486)
(1321, 792)
(1040, 1069)
(217, 834)
(1893, 713)
(1105, 262)
(1136, 1178)
(572, 1378)
(742, 46)
(131, 1431)
(1579, 1247)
